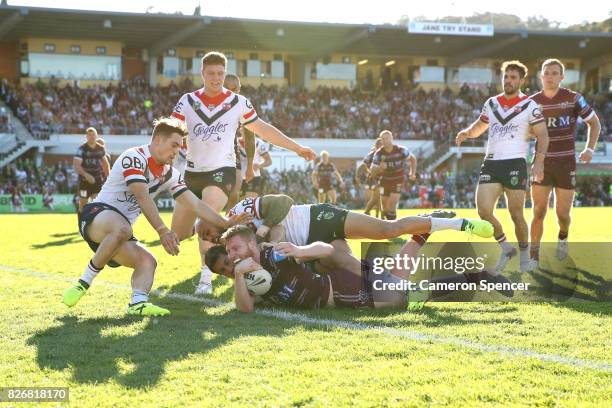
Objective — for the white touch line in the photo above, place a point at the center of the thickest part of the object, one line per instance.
(304, 319)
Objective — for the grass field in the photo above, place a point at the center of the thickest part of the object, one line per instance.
(208, 354)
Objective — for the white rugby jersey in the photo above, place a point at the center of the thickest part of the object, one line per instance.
(212, 124)
(136, 165)
(260, 149)
(296, 223)
(509, 122)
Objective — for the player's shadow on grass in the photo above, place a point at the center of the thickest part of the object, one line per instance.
(67, 234)
(135, 353)
(75, 239)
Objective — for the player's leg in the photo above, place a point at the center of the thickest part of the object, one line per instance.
(331, 193)
(564, 199)
(391, 207)
(368, 196)
(234, 196)
(183, 221)
(516, 207)
(105, 231)
(540, 195)
(216, 198)
(133, 255)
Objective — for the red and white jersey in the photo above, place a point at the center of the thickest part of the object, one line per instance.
(136, 165)
(509, 121)
(261, 148)
(212, 124)
(296, 223)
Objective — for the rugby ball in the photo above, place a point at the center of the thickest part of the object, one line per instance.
(258, 282)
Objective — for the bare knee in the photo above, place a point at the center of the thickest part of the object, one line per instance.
(485, 213)
(563, 216)
(148, 263)
(539, 212)
(123, 233)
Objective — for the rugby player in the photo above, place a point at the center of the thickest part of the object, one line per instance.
(372, 183)
(388, 163)
(91, 164)
(510, 118)
(561, 108)
(322, 179)
(212, 115)
(326, 283)
(305, 224)
(138, 175)
(232, 82)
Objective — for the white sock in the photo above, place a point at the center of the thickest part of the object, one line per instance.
(506, 246)
(139, 296)
(524, 255)
(439, 224)
(205, 275)
(90, 273)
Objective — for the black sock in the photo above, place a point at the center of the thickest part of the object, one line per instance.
(563, 235)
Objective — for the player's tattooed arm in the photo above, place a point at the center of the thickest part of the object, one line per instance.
(305, 253)
(249, 147)
(471, 132)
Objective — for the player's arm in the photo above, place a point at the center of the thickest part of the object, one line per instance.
(205, 212)
(276, 234)
(249, 147)
(245, 302)
(339, 176)
(363, 167)
(105, 166)
(314, 176)
(412, 166)
(168, 238)
(305, 253)
(593, 131)
(267, 161)
(271, 134)
(77, 164)
(472, 132)
(541, 134)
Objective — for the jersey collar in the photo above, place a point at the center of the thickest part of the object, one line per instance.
(215, 101)
(508, 103)
(156, 169)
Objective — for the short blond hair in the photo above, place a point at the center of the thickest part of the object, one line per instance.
(92, 130)
(553, 61)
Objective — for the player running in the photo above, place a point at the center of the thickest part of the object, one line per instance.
(92, 165)
(388, 163)
(561, 108)
(372, 183)
(510, 117)
(138, 175)
(212, 115)
(322, 179)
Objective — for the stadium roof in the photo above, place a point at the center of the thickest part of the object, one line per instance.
(160, 31)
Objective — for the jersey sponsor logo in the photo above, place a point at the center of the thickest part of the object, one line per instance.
(501, 131)
(218, 177)
(248, 104)
(560, 122)
(132, 162)
(582, 102)
(130, 199)
(178, 106)
(514, 180)
(206, 132)
(325, 215)
(485, 177)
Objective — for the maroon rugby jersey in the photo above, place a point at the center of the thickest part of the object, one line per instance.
(561, 113)
(394, 160)
(326, 171)
(294, 284)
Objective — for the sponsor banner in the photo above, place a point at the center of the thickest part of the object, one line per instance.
(35, 203)
(425, 27)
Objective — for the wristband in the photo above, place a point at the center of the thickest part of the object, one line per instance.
(161, 227)
(588, 149)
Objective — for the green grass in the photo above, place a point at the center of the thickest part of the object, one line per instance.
(214, 356)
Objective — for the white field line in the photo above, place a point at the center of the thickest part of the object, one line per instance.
(506, 351)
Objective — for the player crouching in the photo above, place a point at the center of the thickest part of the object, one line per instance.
(138, 175)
